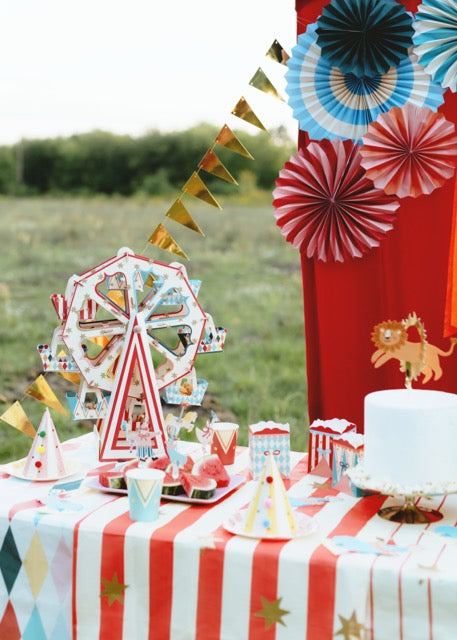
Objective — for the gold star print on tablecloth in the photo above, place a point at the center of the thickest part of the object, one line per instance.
(113, 589)
(272, 612)
(350, 628)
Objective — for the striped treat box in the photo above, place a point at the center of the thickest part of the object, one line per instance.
(321, 436)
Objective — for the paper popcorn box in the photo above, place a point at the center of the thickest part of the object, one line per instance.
(347, 451)
(269, 438)
(322, 433)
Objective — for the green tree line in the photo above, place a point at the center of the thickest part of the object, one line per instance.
(153, 164)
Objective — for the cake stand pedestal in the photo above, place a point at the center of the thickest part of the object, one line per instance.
(408, 512)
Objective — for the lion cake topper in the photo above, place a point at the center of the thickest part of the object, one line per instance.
(416, 358)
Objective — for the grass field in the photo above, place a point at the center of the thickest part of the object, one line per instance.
(251, 284)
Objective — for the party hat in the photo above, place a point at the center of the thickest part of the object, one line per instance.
(270, 513)
(45, 459)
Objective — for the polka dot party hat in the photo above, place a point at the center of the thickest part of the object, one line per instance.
(270, 513)
(45, 459)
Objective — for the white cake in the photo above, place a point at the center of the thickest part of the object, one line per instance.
(411, 436)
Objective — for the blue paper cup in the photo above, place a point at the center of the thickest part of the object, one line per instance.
(144, 490)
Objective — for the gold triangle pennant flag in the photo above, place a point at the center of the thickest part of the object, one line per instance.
(212, 164)
(197, 188)
(260, 81)
(243, 111)
(277, 53)
(226, 138)
(41, 391)
(75, 378)
(162, 239)
(17, 418)
(179, 213)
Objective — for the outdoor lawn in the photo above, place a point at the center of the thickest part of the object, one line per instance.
(251, 284)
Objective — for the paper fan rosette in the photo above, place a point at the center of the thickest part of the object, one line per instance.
(327, 207)
(364, 37)
(435, 40)
(409, 151)
(329, 103)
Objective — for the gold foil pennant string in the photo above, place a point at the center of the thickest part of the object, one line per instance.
(277, 53)
(17, 418)
(180, 214)
(243, 111)
(197, 188)
(41, 391)
(212, 164)
(260, 81)
(226, 138)
(162, 239)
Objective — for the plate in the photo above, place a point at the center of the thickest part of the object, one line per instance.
(235, 482)
(358, 476)
(305, 526)
(16, 469)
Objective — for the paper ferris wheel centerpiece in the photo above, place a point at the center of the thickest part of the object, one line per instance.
(131, 327)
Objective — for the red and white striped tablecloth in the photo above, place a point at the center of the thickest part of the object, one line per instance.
(94, 573)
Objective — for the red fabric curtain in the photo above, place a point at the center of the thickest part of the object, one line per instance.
(343, 301)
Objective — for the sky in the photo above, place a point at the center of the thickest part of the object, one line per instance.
(129, 66)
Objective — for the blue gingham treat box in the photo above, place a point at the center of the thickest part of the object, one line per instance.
(269, 438)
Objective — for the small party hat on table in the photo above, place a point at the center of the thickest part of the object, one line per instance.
(270, 513)
(45, 459)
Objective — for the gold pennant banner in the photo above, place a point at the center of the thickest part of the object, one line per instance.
(197, 188)
(179, 213)
(277, 53)
(41, 391)
(260, 81)
(75, 378)
(17, 418)
(243, 111)
(162, 239)
(212, 164)
(226, 138)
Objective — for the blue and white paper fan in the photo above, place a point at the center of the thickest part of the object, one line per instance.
(328, 103)
(435, 40)
(364, 37)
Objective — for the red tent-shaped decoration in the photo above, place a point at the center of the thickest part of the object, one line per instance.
(135, 362)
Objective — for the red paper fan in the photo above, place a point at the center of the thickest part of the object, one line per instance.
(409, 151)
(326, 206)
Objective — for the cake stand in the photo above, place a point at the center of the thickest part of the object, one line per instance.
(408, 512)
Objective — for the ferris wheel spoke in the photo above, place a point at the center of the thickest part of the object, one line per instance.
(165, 350)
(166, 323)
(103, 327)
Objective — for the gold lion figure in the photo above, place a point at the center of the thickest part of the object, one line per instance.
(390, 338)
